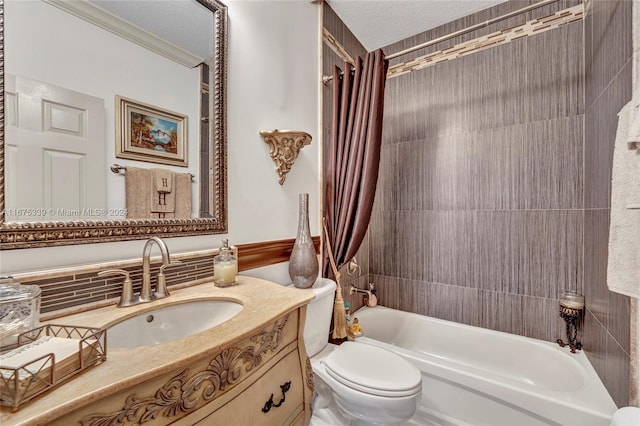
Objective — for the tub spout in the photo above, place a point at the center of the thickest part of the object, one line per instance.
(368, 297)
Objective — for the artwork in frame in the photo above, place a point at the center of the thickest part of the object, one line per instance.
(149, 133)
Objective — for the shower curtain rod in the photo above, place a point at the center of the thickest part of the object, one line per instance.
(327, 78)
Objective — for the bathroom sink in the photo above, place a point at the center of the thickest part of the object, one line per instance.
(169, 323)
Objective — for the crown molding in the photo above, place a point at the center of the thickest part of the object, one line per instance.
(96, 15)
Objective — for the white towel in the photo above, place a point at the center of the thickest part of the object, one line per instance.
(623, 270)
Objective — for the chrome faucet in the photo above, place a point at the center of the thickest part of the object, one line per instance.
(127, 297)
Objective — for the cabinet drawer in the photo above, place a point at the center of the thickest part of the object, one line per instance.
(247, 408)
(200, 388)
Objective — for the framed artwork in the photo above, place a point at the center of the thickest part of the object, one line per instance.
(149, 133)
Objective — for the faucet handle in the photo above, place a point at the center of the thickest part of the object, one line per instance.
(168, 265)
(161, 284)
(126, 298)
(110, 272)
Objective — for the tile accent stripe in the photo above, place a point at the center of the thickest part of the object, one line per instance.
(77, 289)
(331, 41)
(535, 26)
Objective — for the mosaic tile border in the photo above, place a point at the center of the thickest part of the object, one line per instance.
(75, 289)
(529, 28)
(331, 41)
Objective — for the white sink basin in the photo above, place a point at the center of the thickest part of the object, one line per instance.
(169, 323)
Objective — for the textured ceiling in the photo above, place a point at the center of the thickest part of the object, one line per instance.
(378, 23)
(185, 23)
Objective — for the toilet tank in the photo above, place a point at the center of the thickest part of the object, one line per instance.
(319, 311)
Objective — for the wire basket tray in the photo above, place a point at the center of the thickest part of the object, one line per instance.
(21, 383)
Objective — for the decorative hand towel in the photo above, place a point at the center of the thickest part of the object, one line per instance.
(137, 184)
(623, 270)
(183, 187)
(162, 200)
(162, 180)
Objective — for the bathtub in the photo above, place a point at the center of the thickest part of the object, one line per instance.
(475, 376)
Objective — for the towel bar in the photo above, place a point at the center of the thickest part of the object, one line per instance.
(117, 168)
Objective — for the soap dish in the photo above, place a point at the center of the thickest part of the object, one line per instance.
(46, 357)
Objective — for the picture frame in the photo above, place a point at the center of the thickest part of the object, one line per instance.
(149, 133)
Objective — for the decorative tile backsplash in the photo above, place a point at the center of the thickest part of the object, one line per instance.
(70, 288)
(79, 288)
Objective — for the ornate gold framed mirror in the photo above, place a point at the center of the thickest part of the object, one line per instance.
(28, 226)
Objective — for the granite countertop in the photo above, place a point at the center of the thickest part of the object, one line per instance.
(262, 301)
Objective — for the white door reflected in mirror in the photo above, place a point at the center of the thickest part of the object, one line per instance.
(55, 152)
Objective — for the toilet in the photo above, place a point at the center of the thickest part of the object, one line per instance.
(355, 383)
(626, 416)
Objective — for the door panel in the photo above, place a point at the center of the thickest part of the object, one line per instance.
(56, 140)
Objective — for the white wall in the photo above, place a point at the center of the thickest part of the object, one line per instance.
(273, 83)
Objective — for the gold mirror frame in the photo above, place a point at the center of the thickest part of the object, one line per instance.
(16, 235)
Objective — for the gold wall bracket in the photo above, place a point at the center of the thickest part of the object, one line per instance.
(284, 146)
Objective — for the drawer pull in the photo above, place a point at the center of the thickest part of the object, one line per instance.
(270, 403)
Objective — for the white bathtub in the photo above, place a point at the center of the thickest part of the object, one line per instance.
(475, 376)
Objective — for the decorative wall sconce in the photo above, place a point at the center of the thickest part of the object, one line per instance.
(284, 146)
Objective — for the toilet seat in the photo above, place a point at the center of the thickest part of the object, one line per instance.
(373, 370)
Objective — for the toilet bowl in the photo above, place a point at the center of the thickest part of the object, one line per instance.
(626, 416)
(356, 383)
(368, 384)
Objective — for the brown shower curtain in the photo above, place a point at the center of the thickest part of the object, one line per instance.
(353, 155)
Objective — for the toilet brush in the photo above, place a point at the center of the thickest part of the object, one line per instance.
(339, 312)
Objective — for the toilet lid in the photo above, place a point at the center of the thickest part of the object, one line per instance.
(373, 370)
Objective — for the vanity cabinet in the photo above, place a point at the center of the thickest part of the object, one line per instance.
(229, 386)
(249, 407)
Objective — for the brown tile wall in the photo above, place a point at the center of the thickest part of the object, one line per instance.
(493, 194)
(481, 189)
(608, 50)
